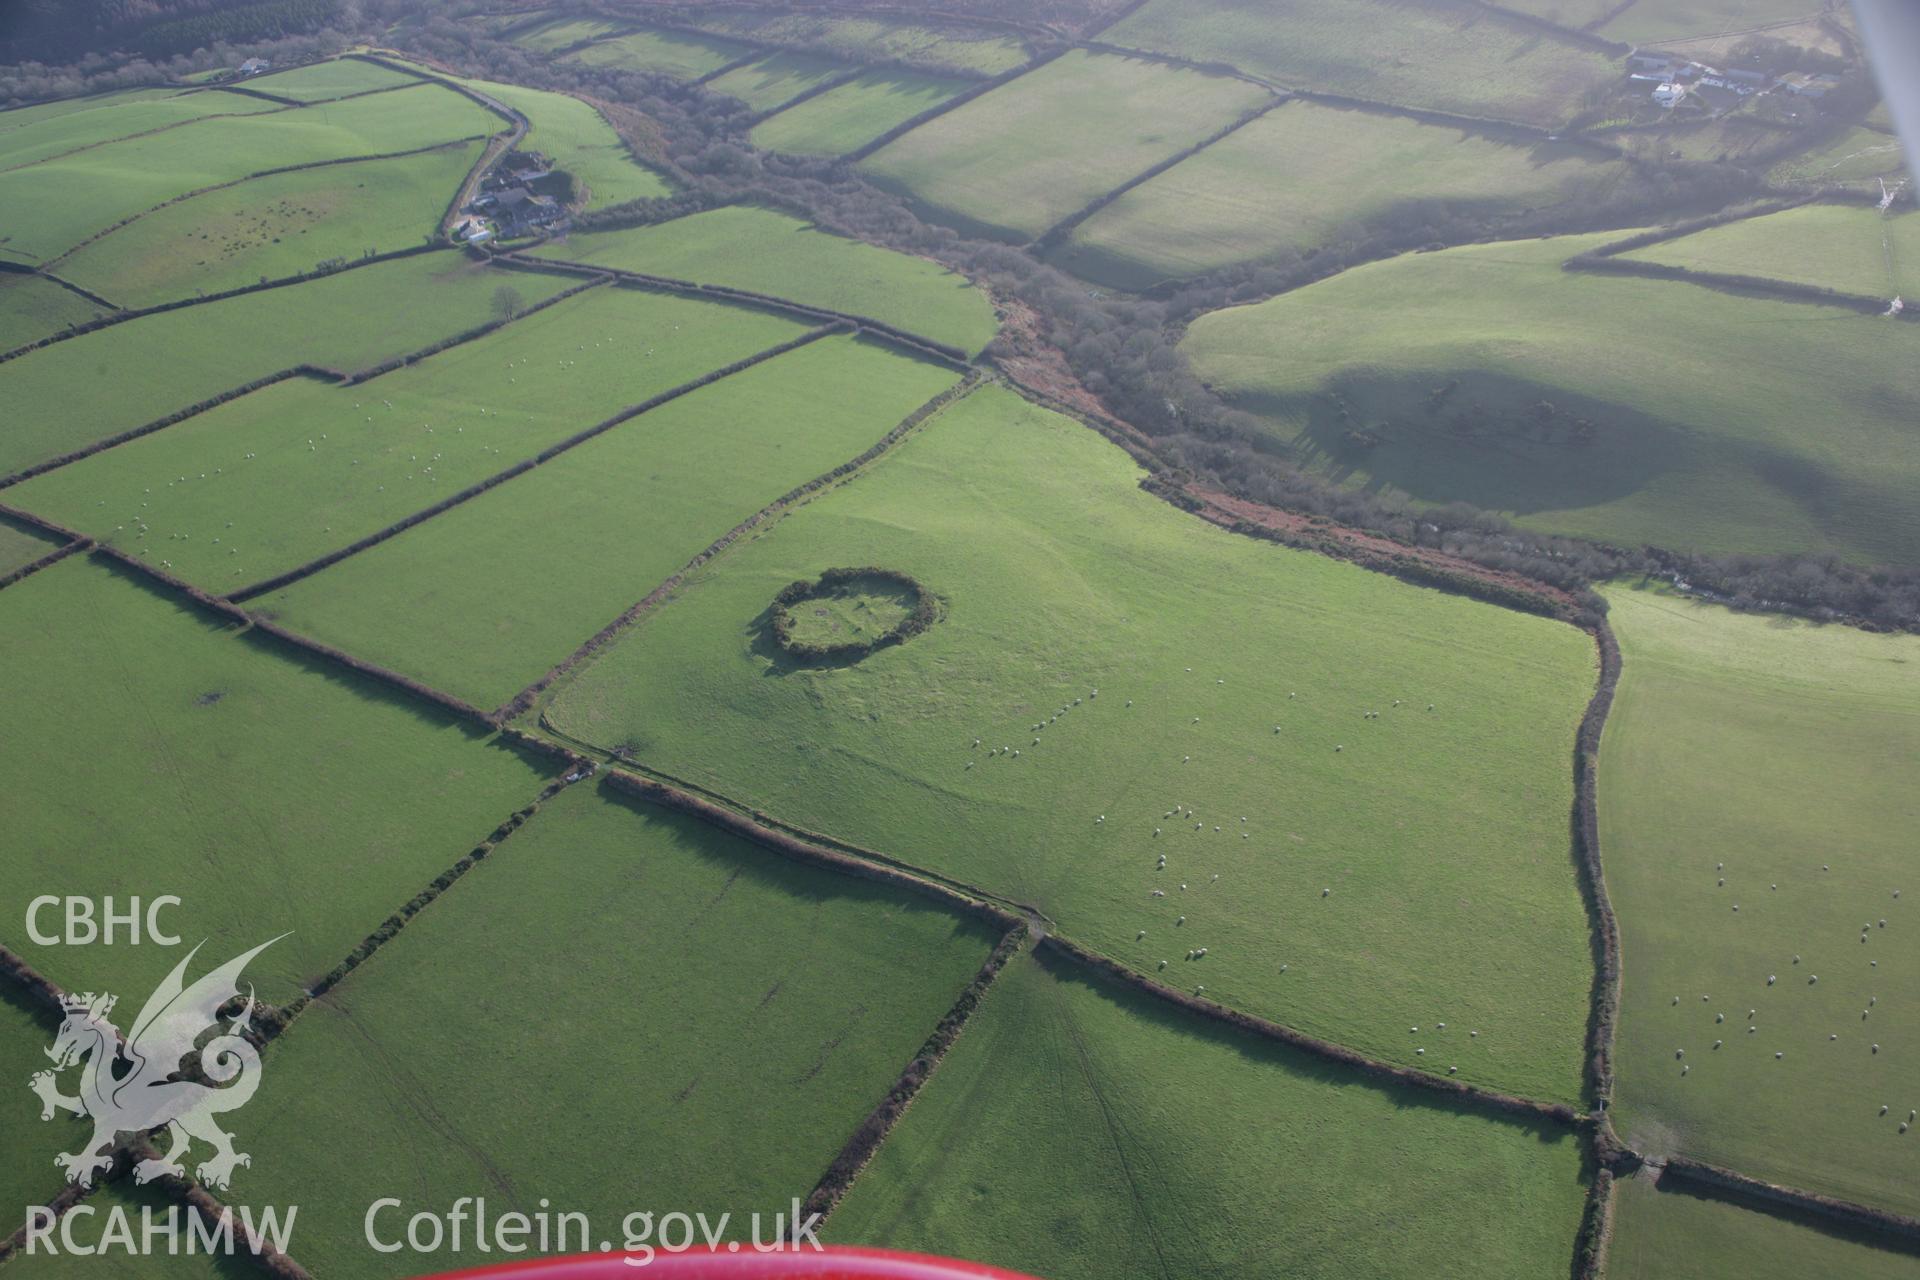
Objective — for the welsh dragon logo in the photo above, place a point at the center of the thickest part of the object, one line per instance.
(132, 1083)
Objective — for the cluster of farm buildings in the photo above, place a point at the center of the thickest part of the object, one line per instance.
(515, 199)
(1675, 79)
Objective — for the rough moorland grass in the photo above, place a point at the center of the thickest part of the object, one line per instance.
(1442, 834)
(663, 53)
(161, 753)
(1081, 1130)
(1445, 55)
(325, 81)
(1661, 21)
(482, 600)
(69, 394)
(1856, 158)
(777, 78)
(746, 247)
(699, 987)
(31, 308)
(272, 480)
(22, 544)
(35, 133)
(273, 227)
(1845, 247)
(936, 46)
(1019, 159)
(1783, 751)
(1774, 427)
(1307, 174)
(848, 117)
(1667, 1231)
(60, 202)
(90, 1229)
(27, 1172)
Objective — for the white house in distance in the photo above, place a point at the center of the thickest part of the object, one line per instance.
(254, 66)
(1670, 94)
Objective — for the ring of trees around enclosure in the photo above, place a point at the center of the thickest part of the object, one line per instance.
(793, 631)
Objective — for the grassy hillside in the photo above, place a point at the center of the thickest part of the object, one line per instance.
(170, 755)
(939, 46)
(1667, 1231)
(482, 600)
(325, 81)
(1844, 247)
(1442, 55)
(1308, 175)
(663, 53)
(1442, 834)
(562, 33)
(1081, 1130)
(777, 79)
(32, 308)
(1017, 160)
(699, 986)
(64, 200)
(274, 227)
(747, 247)
(31, 134)
(1773, 756)
(1662, 21)
(272, 480)
(1426, 375)
(166, 362)
(848, 117)
(22, 544)
(27, 1172)
(1856, 158)
(580, 141)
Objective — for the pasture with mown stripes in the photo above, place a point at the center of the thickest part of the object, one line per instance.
(267, 482)
(725, 1017)
(1360, 787)
(1757, 813)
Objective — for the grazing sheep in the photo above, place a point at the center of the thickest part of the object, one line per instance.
(1180, 921)
(1719, 1017)
(1420, 1052)
(1771, 979)
(1325, 892)
(1718, 1043)
(1453, 1070)
(1163, 964)
(1777, 1056)
(1139, 935)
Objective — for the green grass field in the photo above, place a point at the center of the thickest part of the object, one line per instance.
(580, 141)
(274, 479)
(748, 247)
(1080, 1130)
(725, 1018)
(325, 81)
(1576, 14)
(1307, 175)
(1833, 246)
(269, 793)
(21, 545)
(1772, 755)
(1855, 159)
(1665, 21)
(27, 1172)
(563, 33)
(846, 118)
(274, 227)
(1706, 443)
(1013, 162)
(1673, 1233)
(65, 200)
(1442, 835)
(935, 46)
(63, 398)
(482, 600)
(663, 53)
(1443, 55)
(777, 79)
(32, 134)
(32, 308)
